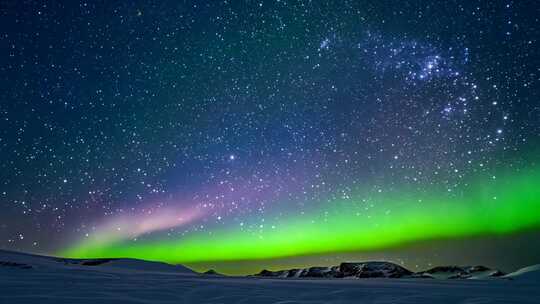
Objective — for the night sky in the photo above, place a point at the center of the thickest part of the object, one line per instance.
(222, 131)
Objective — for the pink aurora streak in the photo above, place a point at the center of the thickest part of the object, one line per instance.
(244, 195)
(131, 226)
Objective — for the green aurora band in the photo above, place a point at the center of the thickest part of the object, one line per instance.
(504, 205)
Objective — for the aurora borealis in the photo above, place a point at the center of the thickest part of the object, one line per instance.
(232, 131)
(495, 208)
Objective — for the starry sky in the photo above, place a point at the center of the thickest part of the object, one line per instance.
(271, 132)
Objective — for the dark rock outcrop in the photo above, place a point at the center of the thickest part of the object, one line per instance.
(461, 272)
(16, 265)
(375, 269)
(95, 262)
(212, 272)
(84, 262)
(358, 270)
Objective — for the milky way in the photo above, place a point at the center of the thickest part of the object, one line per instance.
(232, 130)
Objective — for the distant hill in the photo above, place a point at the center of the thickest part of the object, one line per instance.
(29, 261)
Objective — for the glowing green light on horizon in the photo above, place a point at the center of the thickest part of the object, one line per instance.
(501, 206)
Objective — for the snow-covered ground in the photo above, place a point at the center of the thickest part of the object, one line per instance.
(35, 279)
